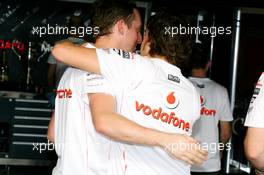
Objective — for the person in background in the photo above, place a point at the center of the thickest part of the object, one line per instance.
(216, 115)
(254, 141)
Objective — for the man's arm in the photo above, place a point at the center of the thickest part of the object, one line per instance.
(76, 56)
(119, 128)
(50, 133)
(254, 147)
(225, 131)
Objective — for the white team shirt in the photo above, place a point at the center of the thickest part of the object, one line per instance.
(255, 115)
(79, 148)
(215, 108)
(154, 94)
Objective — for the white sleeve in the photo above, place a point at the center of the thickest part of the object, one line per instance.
(225, 111)
(93, 83)
(198, 102)
(119, 67)
(255, 115)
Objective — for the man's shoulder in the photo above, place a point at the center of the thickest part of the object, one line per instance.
(218, 86)
(73, 74)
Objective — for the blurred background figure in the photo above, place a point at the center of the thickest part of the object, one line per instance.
(216, 113)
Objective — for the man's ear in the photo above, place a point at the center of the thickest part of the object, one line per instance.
(121, 26)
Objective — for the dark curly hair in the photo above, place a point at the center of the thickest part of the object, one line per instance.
(176, 48)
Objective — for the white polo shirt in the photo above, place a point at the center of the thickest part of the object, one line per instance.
(79, 148)
(215, 107)
(154, 94)
(255, 115)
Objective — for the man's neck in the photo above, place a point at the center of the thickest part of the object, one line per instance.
(199, 73)
(106, 42)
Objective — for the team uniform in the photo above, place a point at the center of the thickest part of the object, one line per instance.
(79, 148)
(215, 108)
(255, 115)
(154, 94)
(60, 69)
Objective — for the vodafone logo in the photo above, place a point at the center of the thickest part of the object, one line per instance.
(166, 117)
(172, 101)
(202, 99)
(204, 110)
(159, 114)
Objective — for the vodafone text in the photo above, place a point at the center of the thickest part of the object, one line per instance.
(208, 112)
(159, 114)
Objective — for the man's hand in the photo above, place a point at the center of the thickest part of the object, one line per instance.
(185, 148)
